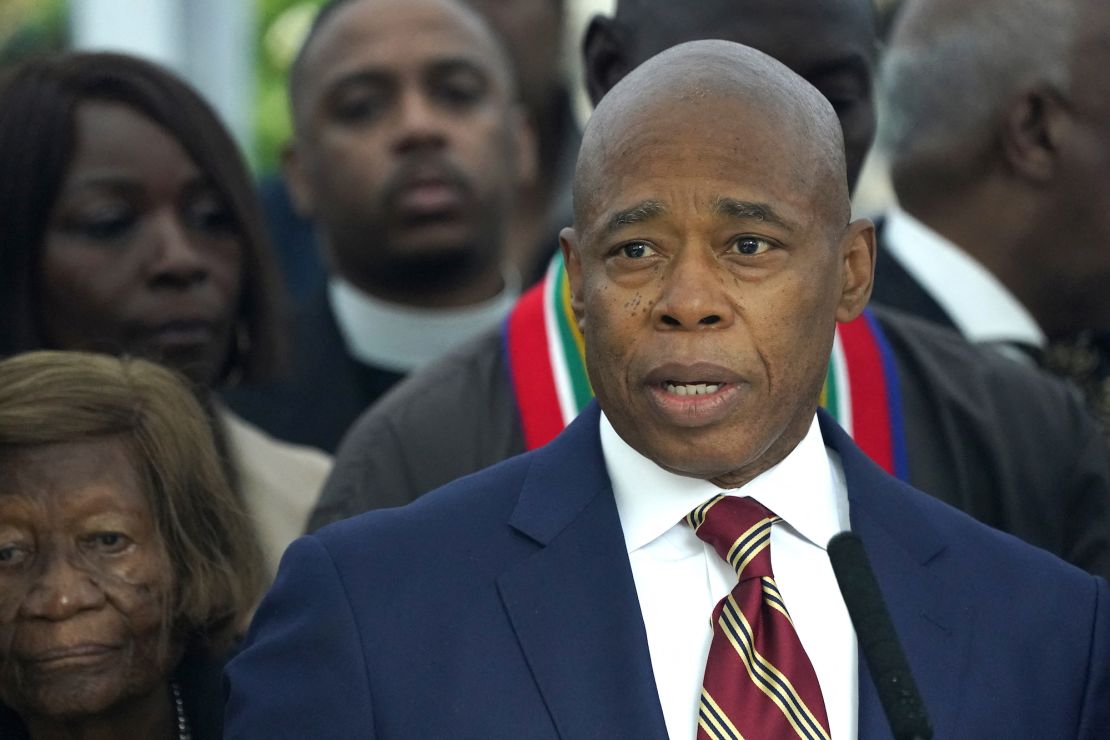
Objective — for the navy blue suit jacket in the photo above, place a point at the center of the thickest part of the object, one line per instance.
(503, 606)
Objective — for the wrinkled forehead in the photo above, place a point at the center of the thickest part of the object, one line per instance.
(392, 33)
(700, 146)
(74, 479)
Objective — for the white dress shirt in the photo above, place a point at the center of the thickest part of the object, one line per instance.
(981, 307)
(679, 579)
(403, 338)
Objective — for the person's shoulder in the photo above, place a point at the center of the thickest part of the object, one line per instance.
(449, 419)
(972, 551)
(446, 392)
(256, 447)
(463, 377)
(470, 509)
(946, 360)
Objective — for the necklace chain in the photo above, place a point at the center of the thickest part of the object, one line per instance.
(183, 732)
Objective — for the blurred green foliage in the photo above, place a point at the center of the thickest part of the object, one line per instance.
(282, 25)
(29, 27)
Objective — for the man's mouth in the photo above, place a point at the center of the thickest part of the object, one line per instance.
(691, 394)
(429, 197)
(428, 190)
(691, 389)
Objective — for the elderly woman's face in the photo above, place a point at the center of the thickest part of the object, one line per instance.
(84, 581)
(141, 255)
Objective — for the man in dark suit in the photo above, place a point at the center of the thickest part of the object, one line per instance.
(998, 136)
(409, 147)
(1002, 442)
(561, 594)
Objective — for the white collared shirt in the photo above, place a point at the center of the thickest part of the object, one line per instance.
(679, 579)
(982, 308)
(402, 338)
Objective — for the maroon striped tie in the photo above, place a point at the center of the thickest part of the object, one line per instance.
(759, 683)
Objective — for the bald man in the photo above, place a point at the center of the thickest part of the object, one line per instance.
(564, 593)
(958, 422)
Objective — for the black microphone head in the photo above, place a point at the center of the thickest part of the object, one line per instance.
(878, 641)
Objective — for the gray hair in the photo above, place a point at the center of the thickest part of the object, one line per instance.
(949, 72)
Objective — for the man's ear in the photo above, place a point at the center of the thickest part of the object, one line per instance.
(857, 269)
(568, 242)
(605, 56)
(1033, 128)
(292, 171)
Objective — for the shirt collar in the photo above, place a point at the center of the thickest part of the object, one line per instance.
(801, 489)
(403, 338)
(980, 306)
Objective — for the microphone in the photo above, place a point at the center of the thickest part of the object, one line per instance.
(905, 712)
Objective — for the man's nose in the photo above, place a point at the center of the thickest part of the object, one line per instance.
(62, 591)
(694, 295)
(177, 257)
(420, 124)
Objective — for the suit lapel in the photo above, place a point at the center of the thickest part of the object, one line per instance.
(911, 563)
(574, 608)
(573, 603)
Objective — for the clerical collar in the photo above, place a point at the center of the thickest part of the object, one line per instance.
(804, 489)
(402, 338)
(982, 308)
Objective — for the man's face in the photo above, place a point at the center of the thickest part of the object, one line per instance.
(707, 279)
(408, 144)
(829, 44)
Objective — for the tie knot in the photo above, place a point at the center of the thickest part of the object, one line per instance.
(739, 529)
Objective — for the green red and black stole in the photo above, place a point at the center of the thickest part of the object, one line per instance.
(548, 368)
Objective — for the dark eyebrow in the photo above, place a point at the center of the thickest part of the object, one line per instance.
(637, 214)
(458, 64)
(127, 183)
(355, 78)
(748, 211)
(114, 183)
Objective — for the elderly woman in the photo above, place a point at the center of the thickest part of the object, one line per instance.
(126, 562)
(128, 225)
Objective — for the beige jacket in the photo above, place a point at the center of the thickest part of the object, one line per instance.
(280, 483)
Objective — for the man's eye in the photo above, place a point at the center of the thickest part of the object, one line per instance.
(358, 107)
(460, 93)
(458, 87)
(636, 250)
(751, 245)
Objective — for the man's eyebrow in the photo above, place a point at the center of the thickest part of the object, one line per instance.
(637, 214)
(369, 76)
(459, 64)
(749, 211)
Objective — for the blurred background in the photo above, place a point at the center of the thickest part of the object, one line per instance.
(238, 52)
